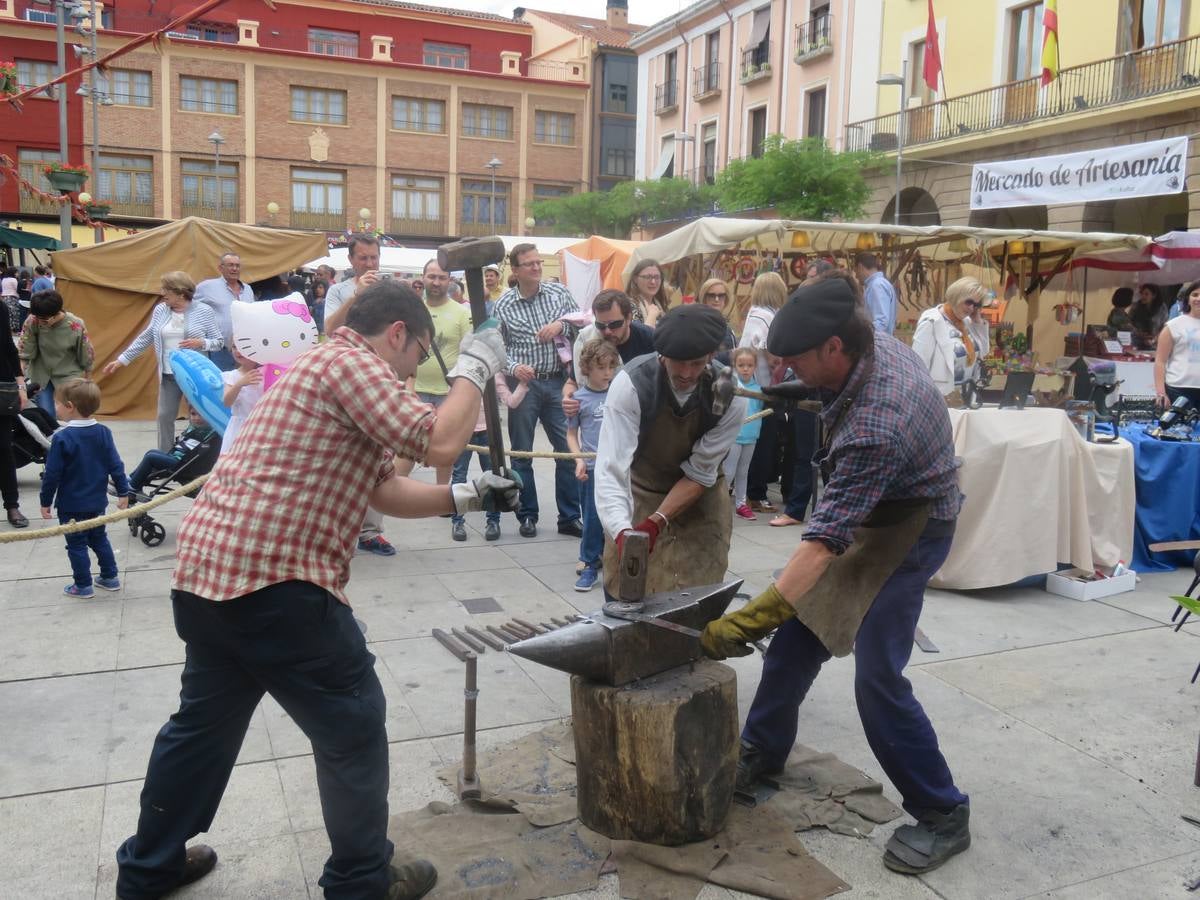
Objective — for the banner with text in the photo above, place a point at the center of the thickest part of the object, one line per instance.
(1112, 173)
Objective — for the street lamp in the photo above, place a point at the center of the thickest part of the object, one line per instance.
(216, 140)
(493, 164)
(900, 81)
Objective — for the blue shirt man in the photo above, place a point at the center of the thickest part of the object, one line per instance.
(878, 292)
(220, 294)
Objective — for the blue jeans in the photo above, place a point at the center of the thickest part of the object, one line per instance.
(458, 474)
(543, 404)
(897, 729)
(223, 359)
(591, 545)
(153, 461)
(296, 642)
(77, 549)
(804, 430)
(45, 400)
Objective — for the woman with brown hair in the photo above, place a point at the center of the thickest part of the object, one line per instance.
(648, 291)
(768, 294)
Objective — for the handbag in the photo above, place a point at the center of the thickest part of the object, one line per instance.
(10, 398)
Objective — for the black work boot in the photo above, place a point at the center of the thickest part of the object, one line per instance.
(914, 849)
(752, 765)
(412, 880)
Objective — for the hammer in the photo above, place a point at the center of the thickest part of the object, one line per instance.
(725, 388)
(471, 255)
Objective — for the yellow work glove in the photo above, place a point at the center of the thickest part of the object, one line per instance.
(733, 633)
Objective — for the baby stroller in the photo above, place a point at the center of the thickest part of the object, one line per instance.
(199, 461)
(32, 429)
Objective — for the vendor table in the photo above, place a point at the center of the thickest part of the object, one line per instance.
(1037, 494)
(1168, 498)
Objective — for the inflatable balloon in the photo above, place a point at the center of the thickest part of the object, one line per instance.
(273, 333)
(200, 380)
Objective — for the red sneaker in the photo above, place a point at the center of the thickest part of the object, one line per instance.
(745, 512)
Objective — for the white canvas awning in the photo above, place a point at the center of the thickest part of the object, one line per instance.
(664, 161)
(762, 24)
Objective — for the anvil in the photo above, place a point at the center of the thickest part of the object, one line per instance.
(617, 651)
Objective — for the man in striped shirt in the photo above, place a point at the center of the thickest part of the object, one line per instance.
(531, 316)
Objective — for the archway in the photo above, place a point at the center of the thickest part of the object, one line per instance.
(1017, 218)
(917, 207)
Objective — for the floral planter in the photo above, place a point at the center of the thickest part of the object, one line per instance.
(66, 182)
(98, 211)
(8, 85)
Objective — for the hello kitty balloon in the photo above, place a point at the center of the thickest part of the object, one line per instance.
(273, 333)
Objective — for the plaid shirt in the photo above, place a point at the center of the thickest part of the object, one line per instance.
(286, 503)
(522, 317)
(893, 443)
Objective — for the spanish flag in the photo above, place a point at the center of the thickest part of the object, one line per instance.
(1049, 41)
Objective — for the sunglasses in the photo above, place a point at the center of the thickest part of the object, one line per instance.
(712, 296)
(610, 326)
(974, 304)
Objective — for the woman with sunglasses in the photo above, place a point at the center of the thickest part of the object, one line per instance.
(952, 339)
(715, 293)
(648, 291)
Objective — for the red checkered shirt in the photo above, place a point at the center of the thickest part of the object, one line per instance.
(286, 503)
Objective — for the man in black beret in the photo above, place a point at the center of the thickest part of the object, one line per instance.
(882, 528)
(658, 462)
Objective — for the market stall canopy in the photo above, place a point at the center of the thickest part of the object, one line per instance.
(595, 264)
(398, 260)
(25, 240)
(1172, 258)
(113, 286)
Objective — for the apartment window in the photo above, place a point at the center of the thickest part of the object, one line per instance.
(708, 152)
(917, 88)
(1147, 23)
(31, 72)
(617, 148)
(417, 200)
(671, 67)
(758, 48)
(814, 119)
(758, 130)
(553, 127)
(128, 87)
(487, 121)
(710, 78)
(210, 190)
(318, 198)
(127, 184)
(620, 77)
(477, 204)
(318, 105)
(30, 163)
(45, 16)
(416, 114)
(209, 95)
(550, 191)
(332, 43)
(1025, 42)
(212, 31)
(447, 56)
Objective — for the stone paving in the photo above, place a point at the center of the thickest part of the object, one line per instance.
(1072, 725)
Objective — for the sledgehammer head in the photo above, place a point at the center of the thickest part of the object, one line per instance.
(470, 253)
(723, 390)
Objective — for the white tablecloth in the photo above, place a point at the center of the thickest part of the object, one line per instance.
(1036, 494)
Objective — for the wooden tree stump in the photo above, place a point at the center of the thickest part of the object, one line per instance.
(656, 760)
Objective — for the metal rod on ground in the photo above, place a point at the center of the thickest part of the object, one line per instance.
(492, 642)
(451, 644)
(468, 640)
(468, 778)
(503, 635)
(536, 629)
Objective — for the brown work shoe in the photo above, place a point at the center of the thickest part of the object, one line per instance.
(412, 880)
(201, 859)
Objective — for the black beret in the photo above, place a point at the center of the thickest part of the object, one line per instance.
(810, 317)
(689, 332)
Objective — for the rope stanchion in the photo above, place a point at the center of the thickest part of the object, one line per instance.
(9, 537)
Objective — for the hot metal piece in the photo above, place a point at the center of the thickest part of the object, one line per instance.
(618, 651)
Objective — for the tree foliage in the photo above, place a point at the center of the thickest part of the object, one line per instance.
(613, 213)
(801, 179)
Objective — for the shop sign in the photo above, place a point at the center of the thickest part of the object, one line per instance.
(1112, 173)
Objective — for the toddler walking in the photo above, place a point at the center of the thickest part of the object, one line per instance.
(81, 460)
(598, 362)
(737, 463)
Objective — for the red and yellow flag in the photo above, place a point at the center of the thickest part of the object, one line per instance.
(1049, 41)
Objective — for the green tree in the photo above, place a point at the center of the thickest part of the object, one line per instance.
(613, 213)
(801, 179)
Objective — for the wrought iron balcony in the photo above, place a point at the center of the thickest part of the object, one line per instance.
(1164, 69)
(706, 81)
(424, 226)
(814, 38)
(756, 62)
(318, 221)
(666, 97)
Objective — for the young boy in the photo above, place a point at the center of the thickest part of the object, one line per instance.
(196, 433)
(81, 460)
(598, 362)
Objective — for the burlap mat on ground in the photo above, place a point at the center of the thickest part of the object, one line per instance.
(522, 840)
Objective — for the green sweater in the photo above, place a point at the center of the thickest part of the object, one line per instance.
(55, 353)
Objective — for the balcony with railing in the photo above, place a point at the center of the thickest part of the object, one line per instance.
(557, 70)
(814, 38)
(226, 212)
(706, 81)
(314, 220)
(484, 229)
(1154, 71)
(666, 97)
(756, 63)
(424, 226)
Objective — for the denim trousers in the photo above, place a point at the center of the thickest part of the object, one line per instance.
(798, 492)
(153, 461)
(591, 545)
(45, 400)
(223, 359)
(764, 465)
(897, 729)
(458, 475)
(297, 642)
(78, 544)
(543, 403)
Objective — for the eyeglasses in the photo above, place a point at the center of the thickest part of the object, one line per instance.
(610, 326)
(425, 351)
(711, 296)
(650, 277)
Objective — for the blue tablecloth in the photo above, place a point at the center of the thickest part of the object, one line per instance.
(1168, 498)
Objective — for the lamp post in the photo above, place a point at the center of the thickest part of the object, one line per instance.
(493, 164)
(97, 97)
(216, 140)
(900, 81)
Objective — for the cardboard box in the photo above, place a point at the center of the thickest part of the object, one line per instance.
(1064, 585)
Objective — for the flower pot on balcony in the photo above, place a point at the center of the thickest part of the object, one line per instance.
(66, 182)
(8, 85)
(98, 212)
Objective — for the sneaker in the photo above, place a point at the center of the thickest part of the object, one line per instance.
(762, 506)
(587, 579)
(74, 590)
(411, 880)
(573, 528)
(458, 531)
(492, 531)
(528, 528)
(109, 584)
(745, 512)
(937, 836)
(377, 545)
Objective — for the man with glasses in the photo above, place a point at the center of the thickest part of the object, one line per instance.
(221, 293)
(612, 320)
(531, 315)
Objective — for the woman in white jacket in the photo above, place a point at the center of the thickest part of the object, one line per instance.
(952, 338)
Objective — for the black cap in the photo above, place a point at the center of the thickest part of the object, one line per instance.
(811, 316)
(689, 332)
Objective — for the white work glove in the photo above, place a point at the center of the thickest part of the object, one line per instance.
(481, 356)
(489, 492)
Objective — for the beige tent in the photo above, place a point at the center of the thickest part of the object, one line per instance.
(113, 286)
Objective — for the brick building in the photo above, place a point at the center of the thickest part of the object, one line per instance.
(323, 109)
